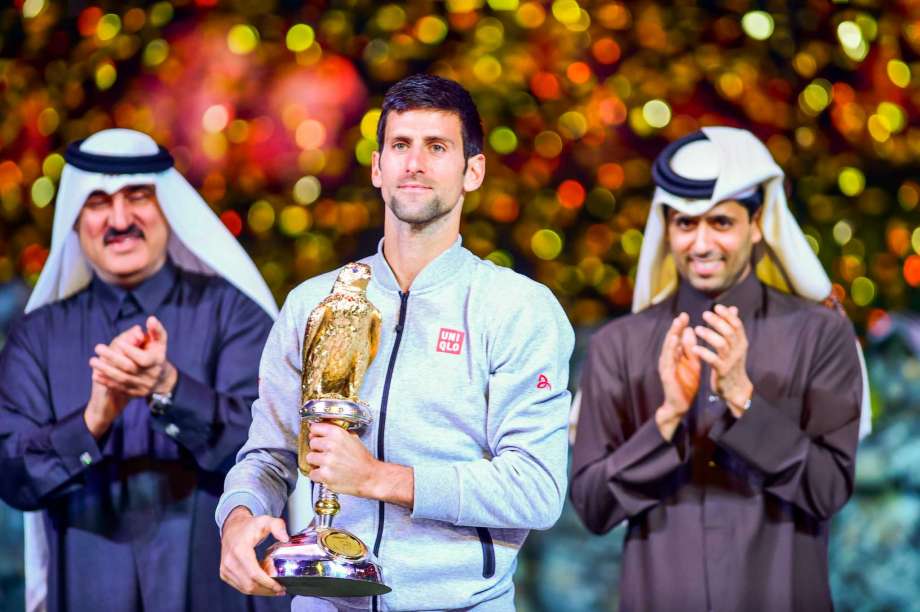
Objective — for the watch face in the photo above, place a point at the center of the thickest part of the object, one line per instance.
(159, 402)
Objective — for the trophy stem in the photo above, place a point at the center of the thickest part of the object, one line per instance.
(326, 507)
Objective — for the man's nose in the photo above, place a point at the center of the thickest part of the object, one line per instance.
(120, 217)
(414, 162)
(701, 240)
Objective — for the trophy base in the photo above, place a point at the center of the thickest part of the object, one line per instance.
(331, 587)
(325, 562)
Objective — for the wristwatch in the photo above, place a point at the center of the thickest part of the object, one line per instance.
(159, 403)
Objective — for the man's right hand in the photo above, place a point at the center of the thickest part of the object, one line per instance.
(679, 369)
(103, 408)
(105, 404)
(238, 564)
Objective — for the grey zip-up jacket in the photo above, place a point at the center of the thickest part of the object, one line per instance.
(469, 388)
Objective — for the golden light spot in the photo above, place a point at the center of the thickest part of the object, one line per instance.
(156, 52)
(631, 241)
(215, 118)
(546, 244)
(48, 121)
(369, 123)
(242, 39)
(105, 76)
(530, 15)
(503, 140)
(108, 27)
(862, 290)
(261, 216)
(42, 191)
(295, 220)
(548, 144)
(758, 24)
(431, 29)
(656, 113)
(487, 69)
(898, 72)
(566, 11)
(851, 181)
(310, 134)
(53, 165)
(307, 190)
(299, 37)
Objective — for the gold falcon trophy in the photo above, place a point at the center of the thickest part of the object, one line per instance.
(340, 341)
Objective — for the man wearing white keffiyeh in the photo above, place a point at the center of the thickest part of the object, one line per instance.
(721, 420)
(127, 387)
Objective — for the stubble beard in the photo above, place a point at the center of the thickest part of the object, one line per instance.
(422, 217)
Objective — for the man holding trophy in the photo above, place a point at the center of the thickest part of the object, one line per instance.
(450, 445)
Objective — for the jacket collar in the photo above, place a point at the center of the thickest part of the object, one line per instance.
(440, 270)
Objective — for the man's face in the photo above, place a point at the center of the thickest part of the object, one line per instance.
(421, 171)
(713, 251)
(123, 235)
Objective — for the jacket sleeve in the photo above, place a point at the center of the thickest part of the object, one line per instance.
(266, 468)
(810, 464)
(523, 484)
(212, 421)
(40, 457)
(620, 465)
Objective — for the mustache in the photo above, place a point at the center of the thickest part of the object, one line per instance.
(132, 231)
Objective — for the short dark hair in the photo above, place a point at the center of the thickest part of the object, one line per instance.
(429, 92)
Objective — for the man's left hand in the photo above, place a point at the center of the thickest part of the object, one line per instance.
(340, 460)
(135, 363)
(727, 357)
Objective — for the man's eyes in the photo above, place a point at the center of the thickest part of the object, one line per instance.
(139, 196)
(436, 147)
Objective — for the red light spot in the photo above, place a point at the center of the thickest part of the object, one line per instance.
(32, 259)
(842, 93)
(88, 20)
(578, 72)
(606, 50)
(545, 85)
(571, 194)
(504, 208)
(878, 322)
(912, 270)
(232, 220)
(611, 175)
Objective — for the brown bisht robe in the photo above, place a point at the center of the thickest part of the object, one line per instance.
(733, 514)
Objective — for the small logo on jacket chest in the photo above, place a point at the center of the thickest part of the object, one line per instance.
(450, 341)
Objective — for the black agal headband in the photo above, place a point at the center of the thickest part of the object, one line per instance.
(692, 189)
(117, 164)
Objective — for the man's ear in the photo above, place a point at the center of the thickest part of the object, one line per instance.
(375, 169)
(475, 173)
(756, 232)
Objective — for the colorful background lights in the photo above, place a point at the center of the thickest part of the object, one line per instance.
(270, 108)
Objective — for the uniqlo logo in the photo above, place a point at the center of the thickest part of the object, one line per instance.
(450, 341)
